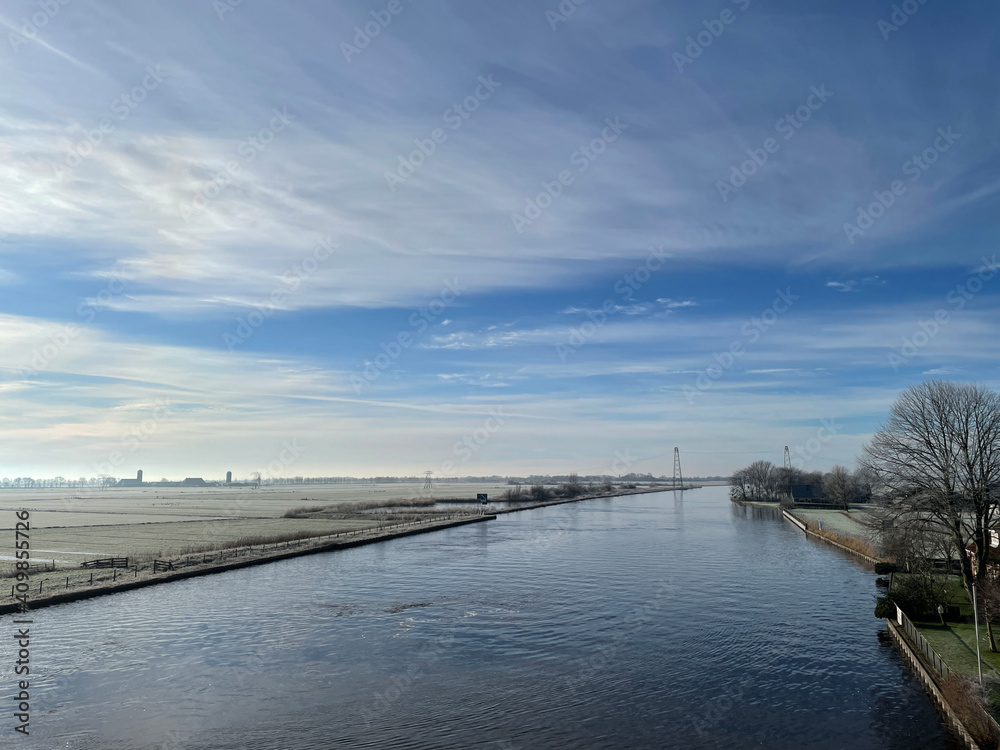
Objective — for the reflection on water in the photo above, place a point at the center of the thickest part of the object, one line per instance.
(662, 620)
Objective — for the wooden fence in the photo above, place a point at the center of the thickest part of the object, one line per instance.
(106, 562)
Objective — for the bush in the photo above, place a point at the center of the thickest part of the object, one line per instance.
(540, 493)
(884, 568)
(884, 608)
(960, 692)
(914, 597)
(514, 495)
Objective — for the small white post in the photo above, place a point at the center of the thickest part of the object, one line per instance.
(979, 658)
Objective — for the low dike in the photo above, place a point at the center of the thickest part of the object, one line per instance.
(77, 594)
(804, 527)
(105, 588)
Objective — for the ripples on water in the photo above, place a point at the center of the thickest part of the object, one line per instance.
(647, 621)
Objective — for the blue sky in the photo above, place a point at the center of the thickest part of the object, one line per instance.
(490, 238)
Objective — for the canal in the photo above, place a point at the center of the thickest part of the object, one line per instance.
(650, 621)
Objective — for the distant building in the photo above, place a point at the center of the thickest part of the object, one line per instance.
(137, 482)
(229, 477)
(805, 494)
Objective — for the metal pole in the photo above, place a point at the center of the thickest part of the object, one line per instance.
(979, 659)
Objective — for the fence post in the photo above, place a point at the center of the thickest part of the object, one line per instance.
(67, 581)
(91, 579)
(39, 587)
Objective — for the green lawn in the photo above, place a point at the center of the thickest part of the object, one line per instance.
(956, 643)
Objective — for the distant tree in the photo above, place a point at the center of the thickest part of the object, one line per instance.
(838, 487)
(739, 486)
(763, 480)
(863, 484)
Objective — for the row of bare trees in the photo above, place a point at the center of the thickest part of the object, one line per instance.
(762, 481)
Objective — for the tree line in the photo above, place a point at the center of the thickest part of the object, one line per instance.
(762, 481)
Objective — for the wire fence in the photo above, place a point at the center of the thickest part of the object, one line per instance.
(932, 656)
(83, 575)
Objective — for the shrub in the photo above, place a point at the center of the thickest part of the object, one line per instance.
(513, 495)
(915, 597)
(960, 692)
(884, 608)
(884, 568)
(540, 493)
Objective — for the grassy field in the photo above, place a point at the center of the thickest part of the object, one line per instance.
(72, 545)
(70, 526)
(956, 643)
(838, 521)
(239, 547)
(126, 505)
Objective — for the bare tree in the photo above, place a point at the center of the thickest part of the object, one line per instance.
(937, 459)
(739, 486)
(763, 479)
(837, 486)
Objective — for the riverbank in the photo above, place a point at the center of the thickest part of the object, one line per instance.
(216, 563)
(831, 538)
(78, 586)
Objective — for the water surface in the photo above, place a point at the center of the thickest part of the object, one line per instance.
(659, 620)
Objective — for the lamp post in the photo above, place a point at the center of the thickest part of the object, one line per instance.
(975, 609)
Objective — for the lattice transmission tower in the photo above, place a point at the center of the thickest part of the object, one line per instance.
(428, 484)
(678, 474)
(788, 459)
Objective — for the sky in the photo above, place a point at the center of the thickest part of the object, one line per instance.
(364, 238)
